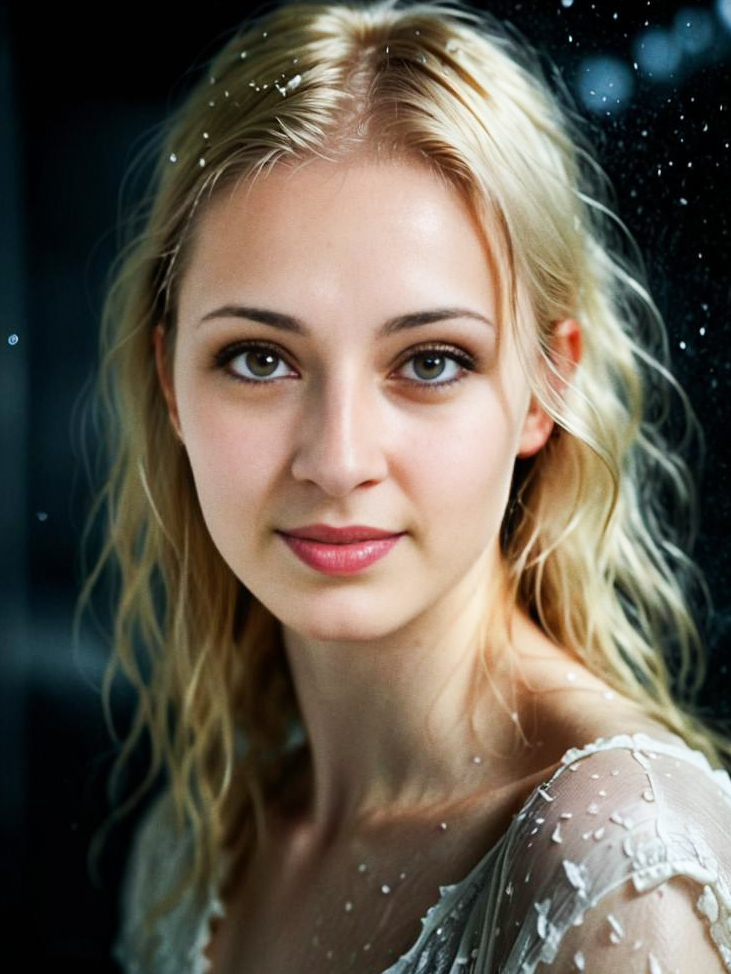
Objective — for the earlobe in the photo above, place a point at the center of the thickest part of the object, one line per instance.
(161, 365)
(565, 355)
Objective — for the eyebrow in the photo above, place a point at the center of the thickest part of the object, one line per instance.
(291, 324)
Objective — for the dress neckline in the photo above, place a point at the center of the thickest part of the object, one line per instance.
(452, 892)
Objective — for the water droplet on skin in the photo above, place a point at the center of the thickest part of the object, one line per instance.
(648, 795)
(42, 515)
(599, 833)
(579, 961)
(556, 837)
(348, 906)
(366, 946)
(13, 339)
(402, 876)
(593, 809)
(571, 676)
(173, 157)
(385, 889)
(329, 955)
(567, 815)
(545, 796)
(362, 867)
(595, 777)
(477, 759)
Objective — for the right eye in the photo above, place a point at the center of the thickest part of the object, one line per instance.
(254, 362)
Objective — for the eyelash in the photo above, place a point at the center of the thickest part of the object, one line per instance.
(464, 359)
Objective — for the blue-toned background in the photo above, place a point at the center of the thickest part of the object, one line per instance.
(79, 94)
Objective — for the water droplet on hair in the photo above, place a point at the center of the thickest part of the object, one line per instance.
(201, 162)
(402, 875)
(206, 136)
(294, 83)
(173, 157)
(42, 515)
(442, 826)
(362, 867)
(385, 889)
(212, 80)
(421, 59)
(13, 339)
(244, 55)
(348, 906)
(366, 946)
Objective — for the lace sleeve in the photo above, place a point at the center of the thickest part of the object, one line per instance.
(172, 942)
(621, 863)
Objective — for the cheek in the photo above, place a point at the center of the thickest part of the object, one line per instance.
(465, 466)
(234, 460)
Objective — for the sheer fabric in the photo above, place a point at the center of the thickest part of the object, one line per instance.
(620, 862)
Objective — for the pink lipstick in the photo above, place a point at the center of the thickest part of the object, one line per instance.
(339, 551)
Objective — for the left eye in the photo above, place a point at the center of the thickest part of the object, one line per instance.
(433, 367)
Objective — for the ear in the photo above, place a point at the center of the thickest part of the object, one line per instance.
(163, 377)
(565, 355)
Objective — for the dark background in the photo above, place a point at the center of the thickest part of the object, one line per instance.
(79, 95)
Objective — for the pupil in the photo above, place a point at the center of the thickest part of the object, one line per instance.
(431, 366)
(262, 363)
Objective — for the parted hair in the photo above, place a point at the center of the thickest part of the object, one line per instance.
(599, 523)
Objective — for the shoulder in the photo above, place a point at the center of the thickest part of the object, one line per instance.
(622, 854)
(162, 920)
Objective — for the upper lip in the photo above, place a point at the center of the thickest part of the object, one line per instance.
(345, 535)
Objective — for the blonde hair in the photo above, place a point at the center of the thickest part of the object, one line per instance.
(595, 532)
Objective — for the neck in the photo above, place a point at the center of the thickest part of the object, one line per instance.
(406, 722)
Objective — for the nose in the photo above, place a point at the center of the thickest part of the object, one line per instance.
(340, 441)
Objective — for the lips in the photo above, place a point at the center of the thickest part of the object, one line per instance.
(351, 534)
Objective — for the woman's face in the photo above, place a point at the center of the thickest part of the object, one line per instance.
(339, 362)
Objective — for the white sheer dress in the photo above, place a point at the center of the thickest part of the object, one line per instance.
(620, 862)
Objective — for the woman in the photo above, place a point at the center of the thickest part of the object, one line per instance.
(384, 501)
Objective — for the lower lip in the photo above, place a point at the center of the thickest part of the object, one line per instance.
(340, 559)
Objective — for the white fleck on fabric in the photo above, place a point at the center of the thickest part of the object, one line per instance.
(635, 884)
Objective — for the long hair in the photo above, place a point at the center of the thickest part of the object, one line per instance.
(598, 522)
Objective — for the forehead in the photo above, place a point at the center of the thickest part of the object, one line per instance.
(338, 235)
